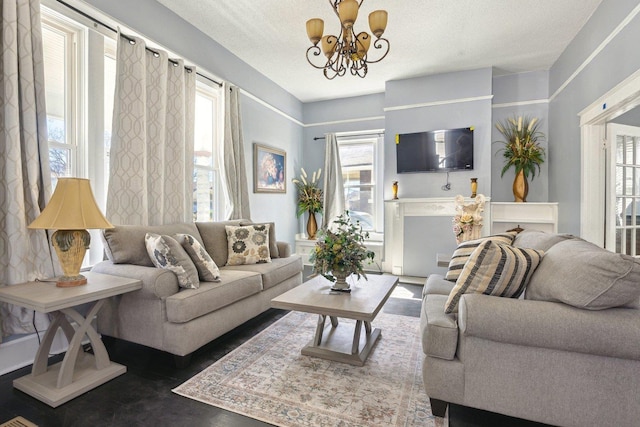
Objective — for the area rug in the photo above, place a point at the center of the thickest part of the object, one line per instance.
(268, 379)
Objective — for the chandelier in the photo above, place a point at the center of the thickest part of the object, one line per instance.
(347, 51)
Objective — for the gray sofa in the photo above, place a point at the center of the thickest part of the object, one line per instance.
(558, 356)
(176, 320)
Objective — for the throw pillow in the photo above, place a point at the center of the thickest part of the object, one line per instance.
(207, 269)
(495, 269)
(464, 250)
(167, 254)
(273, 243)
(584, 275)
(248, 244)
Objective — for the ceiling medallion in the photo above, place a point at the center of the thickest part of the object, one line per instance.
(347, 51)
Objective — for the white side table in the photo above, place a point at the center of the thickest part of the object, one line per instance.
(78, 372)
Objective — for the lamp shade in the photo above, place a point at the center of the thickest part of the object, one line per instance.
(378, 22)
(348, 12)
(315, 28)
(72, 207)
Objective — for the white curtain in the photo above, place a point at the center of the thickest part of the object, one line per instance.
(151, 158)
(234, 164)
(333, 184)
(25, 180)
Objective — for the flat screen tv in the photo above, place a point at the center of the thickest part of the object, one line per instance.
(435, 151)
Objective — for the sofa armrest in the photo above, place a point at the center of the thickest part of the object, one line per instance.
(438, 330)
(614, 332)
(156, 282)
(284, 249)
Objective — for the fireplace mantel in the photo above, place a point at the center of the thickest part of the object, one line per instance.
(395, 212)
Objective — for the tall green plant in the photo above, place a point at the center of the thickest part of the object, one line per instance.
(522, 149)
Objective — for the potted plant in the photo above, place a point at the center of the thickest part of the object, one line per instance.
(521, 150)
(340, 252)
(309, 199)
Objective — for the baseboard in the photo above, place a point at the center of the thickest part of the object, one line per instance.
(21, 352)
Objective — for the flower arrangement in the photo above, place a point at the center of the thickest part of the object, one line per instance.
(468, 221)
(309, 194)
(341, 249)
(462, 223)
(522, 148)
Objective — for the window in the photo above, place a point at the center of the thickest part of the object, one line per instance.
(208, 199)
(359, 158)
(80, 131)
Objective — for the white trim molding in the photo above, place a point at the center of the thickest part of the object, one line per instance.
(337, 122)
(520, 103)
(436, 103)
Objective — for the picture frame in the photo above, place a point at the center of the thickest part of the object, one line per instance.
(269, 169)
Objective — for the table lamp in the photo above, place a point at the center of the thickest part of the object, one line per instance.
(71, 210)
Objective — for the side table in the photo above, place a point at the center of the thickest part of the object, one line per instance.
(78, 372)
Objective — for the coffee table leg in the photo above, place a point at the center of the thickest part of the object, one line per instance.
(367, 328)
(356, 337)
(319, 329)
(334, 321)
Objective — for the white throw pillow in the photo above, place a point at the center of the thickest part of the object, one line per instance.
(248, 244)
(167, 254)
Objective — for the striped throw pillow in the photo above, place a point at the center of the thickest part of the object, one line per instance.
(464, 250)
(495, 269)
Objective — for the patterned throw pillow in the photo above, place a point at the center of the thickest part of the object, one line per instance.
(248, 244)
(167, 254)
(207, 268)
(464, 250)
(495, 269)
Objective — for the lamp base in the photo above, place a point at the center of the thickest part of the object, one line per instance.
(71, 281)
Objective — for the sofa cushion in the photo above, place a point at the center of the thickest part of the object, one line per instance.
(439, 331)
(495, 269)
(189, 304)
(540, 240)
(273, 244)
(464, 250)
(207, 269)
(273, 273)
(437, 284)
(124, 244)
(248, 244)
(584, 275)
(168, 254)
(214, 237)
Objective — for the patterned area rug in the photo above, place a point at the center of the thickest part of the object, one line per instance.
(268, 379)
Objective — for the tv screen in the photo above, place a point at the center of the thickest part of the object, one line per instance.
(435, 151)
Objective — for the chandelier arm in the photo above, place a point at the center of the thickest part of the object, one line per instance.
(334, 6)
(314, 51)
(379, 45)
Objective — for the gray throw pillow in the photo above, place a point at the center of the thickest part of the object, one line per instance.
(465, 249)
(207, 269)
(584, 275)
(168, 254)
(536, 239)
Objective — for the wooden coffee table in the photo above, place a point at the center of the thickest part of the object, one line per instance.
(363, 304)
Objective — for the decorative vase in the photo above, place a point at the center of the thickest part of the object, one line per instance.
(395, 190)
(312, 226)
(520, 187)
(474, 187)
(341, 280)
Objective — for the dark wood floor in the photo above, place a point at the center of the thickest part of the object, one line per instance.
(143, 397)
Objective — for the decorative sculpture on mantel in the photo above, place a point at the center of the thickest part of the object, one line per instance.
(468, 220)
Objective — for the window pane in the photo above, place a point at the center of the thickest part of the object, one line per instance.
(109, 93)
(60, 163)
(204, 131)
(203, 195)
(359, 203)
(54, 49)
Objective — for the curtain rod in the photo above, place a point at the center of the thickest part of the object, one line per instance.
(131, 39)
(354, 135)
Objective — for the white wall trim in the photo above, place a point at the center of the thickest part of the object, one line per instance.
(520, 103)
(337, 122)
(270, 107)
(21, 352)
(436, 103)
(597, 51)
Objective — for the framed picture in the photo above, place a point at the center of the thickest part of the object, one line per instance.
(269, 169)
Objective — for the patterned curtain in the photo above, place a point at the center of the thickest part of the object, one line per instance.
(234, 164)
(151, 159)
(333, 184)
(25, 180)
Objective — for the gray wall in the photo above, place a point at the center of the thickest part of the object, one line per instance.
(609, 67)
(259, 122)
(524, 94)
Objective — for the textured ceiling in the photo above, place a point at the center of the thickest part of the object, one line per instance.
(426, 36)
